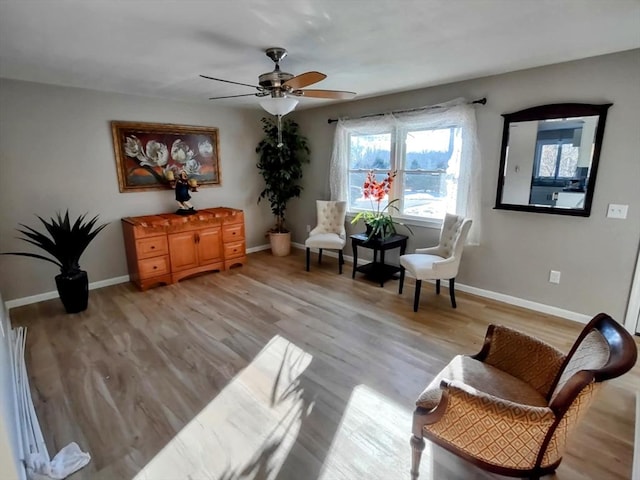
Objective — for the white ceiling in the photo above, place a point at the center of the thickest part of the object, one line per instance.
(158, 47)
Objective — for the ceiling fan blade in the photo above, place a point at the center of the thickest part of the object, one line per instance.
(305, 79)
(335, 94)
(234, 96)
(229, 81)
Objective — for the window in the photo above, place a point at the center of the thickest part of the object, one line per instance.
(429, 164)
(427, 161)
(434, 152)
(557, 154)
(366, 153)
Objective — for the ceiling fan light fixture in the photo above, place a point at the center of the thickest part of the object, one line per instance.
(278, 105)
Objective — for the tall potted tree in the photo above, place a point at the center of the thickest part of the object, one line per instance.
(280, 162)
(66, 243)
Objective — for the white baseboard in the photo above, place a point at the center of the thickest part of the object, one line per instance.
(41, 297)
(501, 297)
(521, 302)
(259, 248)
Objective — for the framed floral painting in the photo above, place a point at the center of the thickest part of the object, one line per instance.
(149, 154)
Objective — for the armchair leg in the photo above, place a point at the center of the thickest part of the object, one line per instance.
(417, 446)
(401, 284)
(416, 299)
(452, 292)
(308, 257)
(319, 256)
(438, 287)
(538, 475)
(340, 261)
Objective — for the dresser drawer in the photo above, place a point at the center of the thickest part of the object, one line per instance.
(233, 233)
(235, 249)
(152, 246)
(152, 267)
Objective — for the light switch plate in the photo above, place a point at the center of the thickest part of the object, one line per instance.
(617, 211)
(554, 276)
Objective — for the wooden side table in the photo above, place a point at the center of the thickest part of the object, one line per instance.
(378, 271)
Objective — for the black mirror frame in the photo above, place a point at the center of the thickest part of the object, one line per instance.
(546, 112)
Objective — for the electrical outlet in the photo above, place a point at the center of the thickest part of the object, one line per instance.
(617, 211)
(308, 228)
(554, 276)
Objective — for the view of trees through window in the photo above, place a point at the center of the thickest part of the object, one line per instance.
(427, 164)
(558, 160)
(557, 152)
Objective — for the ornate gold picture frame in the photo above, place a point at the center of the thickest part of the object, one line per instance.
(146, 153)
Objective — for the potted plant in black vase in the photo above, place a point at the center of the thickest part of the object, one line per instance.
(282, 153)
(66, 244)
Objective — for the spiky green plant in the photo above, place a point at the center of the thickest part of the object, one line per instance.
(66, 243)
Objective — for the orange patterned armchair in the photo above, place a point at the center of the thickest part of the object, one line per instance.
(510, 408)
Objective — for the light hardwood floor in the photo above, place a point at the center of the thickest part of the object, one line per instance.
(270, 372)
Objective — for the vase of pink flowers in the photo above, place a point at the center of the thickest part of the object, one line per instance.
(378, 221)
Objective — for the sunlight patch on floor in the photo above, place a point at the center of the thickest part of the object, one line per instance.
(248, 429)
(375, 431)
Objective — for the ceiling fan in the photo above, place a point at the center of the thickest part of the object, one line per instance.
(282, 85)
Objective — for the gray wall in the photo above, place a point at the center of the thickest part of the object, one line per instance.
(56, 152)
(596, 254)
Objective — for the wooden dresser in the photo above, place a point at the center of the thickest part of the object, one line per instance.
(168, 247)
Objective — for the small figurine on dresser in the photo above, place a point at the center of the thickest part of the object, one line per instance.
(182, 185)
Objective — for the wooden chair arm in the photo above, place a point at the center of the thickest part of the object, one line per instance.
(476, 424)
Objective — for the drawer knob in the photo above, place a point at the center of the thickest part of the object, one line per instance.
(152, 247)
(155, 267)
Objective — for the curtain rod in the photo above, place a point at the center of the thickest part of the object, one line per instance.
(480, 101)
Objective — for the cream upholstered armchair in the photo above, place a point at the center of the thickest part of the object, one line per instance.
(329, 233)
(511, 408)
(439, 262)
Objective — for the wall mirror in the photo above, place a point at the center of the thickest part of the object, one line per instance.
(549, 158)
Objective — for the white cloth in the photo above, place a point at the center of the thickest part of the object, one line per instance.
(67, 461)
(325, 240)
(429, 267)
(38, 463)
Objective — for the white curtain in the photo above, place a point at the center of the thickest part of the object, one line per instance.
(458, 112)
(340, 156)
